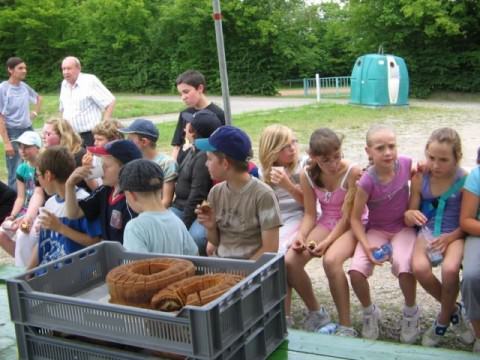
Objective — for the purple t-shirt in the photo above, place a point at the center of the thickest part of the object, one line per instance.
(388, 202)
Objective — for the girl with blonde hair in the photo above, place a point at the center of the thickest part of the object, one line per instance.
(280, 168)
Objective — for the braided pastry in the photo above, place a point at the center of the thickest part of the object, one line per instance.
(196, 290)
(135, 283)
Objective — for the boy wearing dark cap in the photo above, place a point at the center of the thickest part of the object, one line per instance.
(243, 218)
(107, 202)
(155, 230)
(194, 182)
(144, 134)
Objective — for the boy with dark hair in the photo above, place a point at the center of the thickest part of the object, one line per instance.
(193, 182)
(107, 202)
(243, 216)
(59, 236)
(192, 87)
(145, 134)
(155, 230)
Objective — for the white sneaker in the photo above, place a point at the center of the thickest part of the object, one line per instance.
(434, 335)
(476, 346)
(410, 328)
(346, 331)
(370, 328)
(461, 326)
(316, 319)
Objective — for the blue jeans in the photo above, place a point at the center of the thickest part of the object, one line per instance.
(197, 231)
(15, 160)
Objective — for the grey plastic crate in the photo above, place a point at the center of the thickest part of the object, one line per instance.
(53, 300)
(258, 342)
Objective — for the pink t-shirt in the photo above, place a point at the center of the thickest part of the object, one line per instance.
(388, 202)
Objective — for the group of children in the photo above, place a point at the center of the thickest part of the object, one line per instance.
(392, 204)
(318, 206)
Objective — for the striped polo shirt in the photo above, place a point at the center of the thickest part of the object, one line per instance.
(82, 103)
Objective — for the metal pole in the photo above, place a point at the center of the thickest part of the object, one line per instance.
(222, 64)
(317, 81)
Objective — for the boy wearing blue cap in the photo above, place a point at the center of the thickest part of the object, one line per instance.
(107, 202)
(242, 216)
(145, 134)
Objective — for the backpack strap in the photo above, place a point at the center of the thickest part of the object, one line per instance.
(442, 201)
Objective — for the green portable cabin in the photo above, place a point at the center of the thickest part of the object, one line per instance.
(379, 80)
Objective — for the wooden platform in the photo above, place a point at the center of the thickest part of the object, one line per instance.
(299, 345)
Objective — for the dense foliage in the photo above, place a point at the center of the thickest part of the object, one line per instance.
(142, 45)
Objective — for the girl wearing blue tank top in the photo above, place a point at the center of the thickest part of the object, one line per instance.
(435, 204)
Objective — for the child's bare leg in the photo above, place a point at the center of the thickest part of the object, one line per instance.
(422, 269)
(361, 287)
(450, 279)
(408, 285)
(7, 244)
(297, 277)
(288, 300)
(337, 253)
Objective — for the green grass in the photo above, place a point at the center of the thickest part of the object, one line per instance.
(303, 120)
(125, 107)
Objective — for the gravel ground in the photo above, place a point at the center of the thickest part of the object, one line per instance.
(384, 287)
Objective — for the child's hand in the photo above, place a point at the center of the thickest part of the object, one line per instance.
(206, 216)
(421, 167)
(298, 245)
(211, 249)
(369, 251)
(440, 243)
(49, 221)
(87, 159)
(279, 177)
(319, 249)
(79, 174)
(415, 217)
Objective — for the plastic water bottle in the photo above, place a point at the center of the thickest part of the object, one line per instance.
(435, 256)
(382, 253)
(328, 329)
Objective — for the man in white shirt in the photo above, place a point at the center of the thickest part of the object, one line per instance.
(84, 100)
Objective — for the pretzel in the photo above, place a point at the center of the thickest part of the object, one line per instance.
(135, 283)
(312, 244)
(205, 206)
(196, 290)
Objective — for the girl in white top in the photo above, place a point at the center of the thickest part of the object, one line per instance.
(280, 168)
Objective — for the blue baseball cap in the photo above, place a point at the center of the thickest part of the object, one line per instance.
(143, 127)
(229, 140)
(122, 150)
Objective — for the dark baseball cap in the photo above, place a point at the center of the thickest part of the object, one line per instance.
(229, 140)
(142, 127)
(205, 122)
(122, 150)
(141, 175)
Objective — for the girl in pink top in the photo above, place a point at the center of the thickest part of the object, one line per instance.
(384, 189)
(326, 180)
